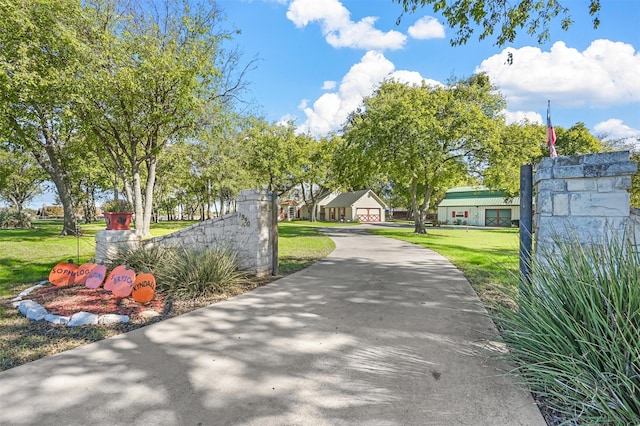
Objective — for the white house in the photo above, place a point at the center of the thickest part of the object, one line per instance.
(478, 206)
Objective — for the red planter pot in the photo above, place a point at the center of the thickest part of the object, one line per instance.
(118, 221)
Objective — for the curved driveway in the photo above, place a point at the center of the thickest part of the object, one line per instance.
(381, 332)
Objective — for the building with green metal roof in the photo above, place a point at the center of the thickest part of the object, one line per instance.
(478, 206)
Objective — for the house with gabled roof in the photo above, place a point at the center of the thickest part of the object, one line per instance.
(357, 206)
(478, 206)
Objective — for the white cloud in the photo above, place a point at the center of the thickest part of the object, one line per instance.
(329, 85)
(329, 112)
(604, 74)
(338, 28)
(426, 28)
(516, 117)
(615, 129)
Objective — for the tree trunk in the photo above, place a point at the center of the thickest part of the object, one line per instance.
(148, 199)
(418, 224)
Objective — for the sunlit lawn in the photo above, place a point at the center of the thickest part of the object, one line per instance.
(487, 257)
(27, 255)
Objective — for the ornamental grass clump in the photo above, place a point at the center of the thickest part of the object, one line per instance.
(193, 273)
(184, 273)
(576, 334)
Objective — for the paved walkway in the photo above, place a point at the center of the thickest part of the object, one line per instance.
(381, 332)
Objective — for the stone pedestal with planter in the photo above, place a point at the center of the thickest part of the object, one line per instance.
(109, 242)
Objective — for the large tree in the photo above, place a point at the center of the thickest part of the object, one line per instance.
(525, 143)
(20, 177)
(421, 137)
(501, 17)
(157, 67)
(276, 156)
(41, 58)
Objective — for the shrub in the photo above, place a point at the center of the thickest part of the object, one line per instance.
(576, 334)
(15, 220)
(200, 273)
(184, 273)
(150, 258)
(117, 206)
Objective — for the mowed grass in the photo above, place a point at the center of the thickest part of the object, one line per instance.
(30, 255)
(300, 244)
(27, 255)
(487, 257)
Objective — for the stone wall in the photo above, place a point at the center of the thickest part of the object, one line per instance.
(247, 232)
(583, 197)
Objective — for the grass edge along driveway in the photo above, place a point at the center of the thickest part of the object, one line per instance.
(487, 257)
(23, 340)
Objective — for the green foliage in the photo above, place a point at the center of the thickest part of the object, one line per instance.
(184, 273)
(421, 138)
(40, 62)
(14, 220)
(576, 335)
(508, 18)
(199, 273)
(577, 140)
(525, 143)
(277, 157)
(117, 206)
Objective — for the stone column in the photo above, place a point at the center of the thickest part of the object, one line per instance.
(254, 243)
(582, 197)
(109, 242)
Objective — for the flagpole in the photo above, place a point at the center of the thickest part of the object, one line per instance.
(551, 134)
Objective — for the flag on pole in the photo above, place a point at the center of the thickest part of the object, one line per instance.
(551, 134)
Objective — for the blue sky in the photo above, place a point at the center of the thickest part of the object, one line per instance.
(318, 58)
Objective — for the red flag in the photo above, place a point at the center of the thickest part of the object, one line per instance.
(551, 134)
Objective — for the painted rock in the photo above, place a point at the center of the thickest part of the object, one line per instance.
(96, 276)
(120, 281)
(64, 273)
(144, 288)
(83, 273)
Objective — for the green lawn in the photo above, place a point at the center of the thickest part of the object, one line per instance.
(487, 257)
(27, 255)
(300, 244)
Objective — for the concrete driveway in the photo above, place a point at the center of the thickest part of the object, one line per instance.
(381, 332)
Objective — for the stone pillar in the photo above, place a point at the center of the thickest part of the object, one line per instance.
(109, 242)
(582, 197)
(254, 244)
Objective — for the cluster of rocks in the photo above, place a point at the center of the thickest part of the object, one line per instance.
(37, 312)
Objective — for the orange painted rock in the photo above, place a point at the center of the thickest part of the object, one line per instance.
(144, 287)
(96, 276)
(83, 273)
(120, 281)
(64, 273)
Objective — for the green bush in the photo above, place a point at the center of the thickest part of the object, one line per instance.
(117, 206)
(576, 335)
(14, 220)
(184, 273)
(200, 273)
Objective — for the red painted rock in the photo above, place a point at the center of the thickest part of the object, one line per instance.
(120, 281)
(83, 273)
(144, 287)
(64, 273)
(96, 276)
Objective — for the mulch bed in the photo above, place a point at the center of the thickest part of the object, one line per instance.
(68, 300)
